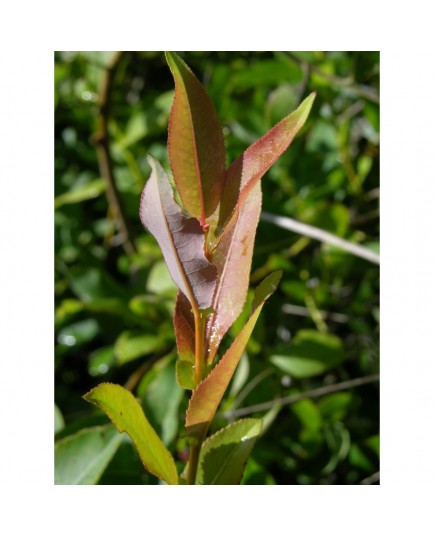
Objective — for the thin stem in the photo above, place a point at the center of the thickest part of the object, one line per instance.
(199, 372)
(364, 91)
(322, 236)
(104, 154)
(321, 391)
(199, 355)
(193, 463)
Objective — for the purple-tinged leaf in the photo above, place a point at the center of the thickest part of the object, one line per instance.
(180, 238)
(207, 396)
(195, 143)
(183, 322)
(233, 259)
(246, 170)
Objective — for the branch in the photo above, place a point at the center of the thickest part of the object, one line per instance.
(364, 91)
(322, 236)
(371, 479)
(321, 391)
(105, 160)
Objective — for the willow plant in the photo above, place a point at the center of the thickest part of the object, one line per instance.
(205, 224)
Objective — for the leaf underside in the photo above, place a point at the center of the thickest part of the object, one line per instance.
(127, 415)
(207, 396)
(180, 238)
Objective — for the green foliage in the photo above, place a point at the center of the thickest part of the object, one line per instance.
(81, 458)
(106, 299)
(127, 415)
(224, 454)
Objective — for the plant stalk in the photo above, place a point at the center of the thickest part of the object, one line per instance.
(199, 353)
(199, 373)
(193, 463)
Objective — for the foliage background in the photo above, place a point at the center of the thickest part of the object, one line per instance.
(113, 309)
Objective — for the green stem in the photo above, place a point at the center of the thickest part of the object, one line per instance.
(199, 373)
(199, 356)
(193, 463)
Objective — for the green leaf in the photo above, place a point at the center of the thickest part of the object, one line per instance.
(127, 415)
(82, 458)
(311, 353)
(86, 191)
(185, 374)
(162, 396)
(209, 393)
(335, 406)
(266, 72)
(308, 413)
(159, 281)
(195, 143)
(180, 238)
(129, 346)
(59, 422)
(224, 455)
(79, 332)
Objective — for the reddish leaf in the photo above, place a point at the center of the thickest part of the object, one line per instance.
(180, 238)
(233, 259)
(183, 321)
(246, 171)
(207, 396)
(195, 143)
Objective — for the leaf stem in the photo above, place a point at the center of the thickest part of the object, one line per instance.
(199, 372)
(199, 336)
(193, 462)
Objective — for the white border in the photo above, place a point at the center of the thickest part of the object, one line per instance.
(33, 32)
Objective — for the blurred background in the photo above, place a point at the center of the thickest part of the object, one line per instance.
(114, 298)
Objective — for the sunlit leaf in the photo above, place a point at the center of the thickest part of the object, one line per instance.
(180, 238)
(82, 458)
(127, 415)
(59, 422)
(207, 396)
(245, 172)
(224, 455)
(195, 143)
(185, 374)
(233, 260)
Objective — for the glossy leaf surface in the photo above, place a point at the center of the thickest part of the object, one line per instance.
(180, 238)
(195, 143)
(233, 260)
(224, 455)
(127, 415)
(81, 458)
(206, 398)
